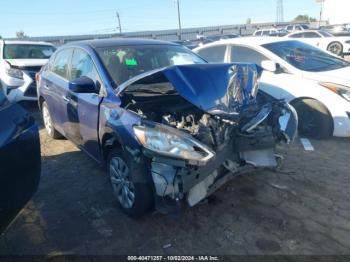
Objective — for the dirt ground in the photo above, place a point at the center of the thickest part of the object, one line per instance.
(304, 208)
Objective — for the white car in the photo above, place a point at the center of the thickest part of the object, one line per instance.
(270, 32)
(338, 45)
(19, 62)
(296, 27)
(315, 82)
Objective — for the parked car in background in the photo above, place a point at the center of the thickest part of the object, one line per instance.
(170, 127)
(315, 82)
(324, 40)
(187, 43)
(297, 27)
(270, 32)
(19, 62)
(19, 159)
(212, 38)
(336, 30)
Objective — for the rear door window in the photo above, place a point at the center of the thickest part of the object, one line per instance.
(310, 35)
(246, 55)
(61, 64)
(213, 54)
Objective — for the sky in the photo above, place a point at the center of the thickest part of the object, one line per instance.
(73, 17)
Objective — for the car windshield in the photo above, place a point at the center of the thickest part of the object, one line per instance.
(125, 62)
(305, 57)
(304, 26)
(325, 34)
(28, 51)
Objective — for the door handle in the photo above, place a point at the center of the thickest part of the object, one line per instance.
(67, 100)
(46, 87)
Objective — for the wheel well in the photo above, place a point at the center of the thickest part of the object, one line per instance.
(294, 101)
(109, 142)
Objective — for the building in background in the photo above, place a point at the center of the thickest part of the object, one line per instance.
(336, 11)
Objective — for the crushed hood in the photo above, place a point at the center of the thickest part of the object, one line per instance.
(219, 89)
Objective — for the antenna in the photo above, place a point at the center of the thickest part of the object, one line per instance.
(279, 12)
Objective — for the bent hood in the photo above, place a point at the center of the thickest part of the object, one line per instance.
(219, 89)
(27, 62)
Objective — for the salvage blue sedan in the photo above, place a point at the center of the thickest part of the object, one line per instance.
(170, 128)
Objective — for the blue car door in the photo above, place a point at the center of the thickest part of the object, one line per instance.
(54, 87)
(82, 109)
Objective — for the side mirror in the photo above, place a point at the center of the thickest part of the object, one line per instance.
(270, 66)
(82, 85)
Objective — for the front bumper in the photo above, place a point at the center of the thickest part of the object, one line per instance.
(20, 90)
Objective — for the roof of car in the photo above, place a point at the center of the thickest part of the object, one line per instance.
(23, 42)
(249, 40)
(98, 43)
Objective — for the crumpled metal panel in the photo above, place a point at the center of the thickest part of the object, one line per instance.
(219, 89)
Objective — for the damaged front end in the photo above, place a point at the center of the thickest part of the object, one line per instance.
(201, 125)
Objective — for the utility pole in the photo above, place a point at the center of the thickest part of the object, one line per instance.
(119, 25)
(279, 12)
(179, 18)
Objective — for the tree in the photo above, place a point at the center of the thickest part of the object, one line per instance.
(0, 37)
(21, 34)
(249, 21)
(304, 18)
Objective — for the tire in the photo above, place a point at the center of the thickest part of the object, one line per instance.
(135, 199)
(51, 131)
(335, 48)
(315, 120)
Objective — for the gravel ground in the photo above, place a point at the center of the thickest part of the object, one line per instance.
(304, 208)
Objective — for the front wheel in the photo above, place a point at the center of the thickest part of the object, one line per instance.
(315, 120)
(134, 198)
(335, 48)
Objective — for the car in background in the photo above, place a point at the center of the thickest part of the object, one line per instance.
(324, 40)
(212, 38)
(315, 82)
(170, 127)
(270, 32)
(19, 159)
(19, 62)
(297, 27)
(187, 43)
(336, 30)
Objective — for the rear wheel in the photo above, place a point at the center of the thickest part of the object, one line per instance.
(134, 198)
(314, 119)
(335, 48)
(51, 131)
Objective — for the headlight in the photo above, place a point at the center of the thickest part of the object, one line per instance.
(171, 142)
(13, 72)
(341, 90)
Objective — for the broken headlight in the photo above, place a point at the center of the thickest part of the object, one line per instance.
(171, 142)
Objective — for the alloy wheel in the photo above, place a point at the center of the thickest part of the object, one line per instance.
(123, 188)
(47, 120)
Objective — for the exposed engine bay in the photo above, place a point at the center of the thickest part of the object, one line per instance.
(240, 140)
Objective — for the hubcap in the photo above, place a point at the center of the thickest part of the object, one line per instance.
(123, 188)
(47, 120)
(335, 49)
